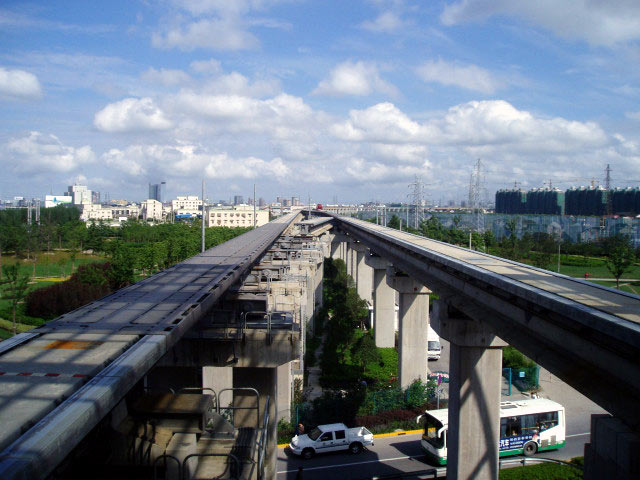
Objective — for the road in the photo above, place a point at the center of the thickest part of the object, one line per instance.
(389, 455)
(397, 454)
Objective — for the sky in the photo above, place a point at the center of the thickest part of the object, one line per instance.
(321, 99)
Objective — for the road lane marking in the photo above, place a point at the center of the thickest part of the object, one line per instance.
(352, 464)
(577, 435)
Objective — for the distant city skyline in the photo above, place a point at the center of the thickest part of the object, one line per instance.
(317, 99)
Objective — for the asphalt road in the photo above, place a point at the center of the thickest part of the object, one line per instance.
(397, 454)
(387, 456)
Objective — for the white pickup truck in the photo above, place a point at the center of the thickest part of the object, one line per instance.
(330, 438)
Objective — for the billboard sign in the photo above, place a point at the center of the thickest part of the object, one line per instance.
(55, 200)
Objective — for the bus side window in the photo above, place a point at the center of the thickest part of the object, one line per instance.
(530, 423)
(503, 427)
(513, 426)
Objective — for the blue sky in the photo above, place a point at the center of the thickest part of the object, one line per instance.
(346, 99)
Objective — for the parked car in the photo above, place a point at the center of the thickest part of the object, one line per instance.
(331, 438)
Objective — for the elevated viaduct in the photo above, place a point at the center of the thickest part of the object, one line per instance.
(200, 359)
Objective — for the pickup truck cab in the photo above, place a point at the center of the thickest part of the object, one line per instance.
(331, 438)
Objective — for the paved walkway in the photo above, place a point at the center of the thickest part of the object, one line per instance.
(313, 389)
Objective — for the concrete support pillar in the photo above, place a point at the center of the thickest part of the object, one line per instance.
(414, 324)
(384, 305)
(612, 451)
(285, 381)
(364, 273)
(319, 300)
(217, 378)
(475, 369)
(265, 381)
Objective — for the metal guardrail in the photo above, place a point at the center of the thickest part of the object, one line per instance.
(233, 475)
(164, 457)
(202, 390)
(262, 441)
(234, 408)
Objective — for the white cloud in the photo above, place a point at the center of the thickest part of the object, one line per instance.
(597, 22)
(387, 22)
(283, 116)
(211, 66)
(470, 77)
(36, 153)
(130, 115)
(166, 77)
(486, 124)
(383, 123)
(359, 79)
(209, 33)
(187, 160)
(18, 84)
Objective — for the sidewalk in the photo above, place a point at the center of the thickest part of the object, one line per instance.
(313, 389)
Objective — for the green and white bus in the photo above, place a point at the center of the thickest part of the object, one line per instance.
(526, 427)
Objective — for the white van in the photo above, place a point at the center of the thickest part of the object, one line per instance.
(433, 345)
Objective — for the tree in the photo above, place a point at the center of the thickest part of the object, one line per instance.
(394, 222)
(620, 256)
(14, 288)
(364, 351)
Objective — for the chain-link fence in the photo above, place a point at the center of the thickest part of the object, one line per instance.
(524, 379)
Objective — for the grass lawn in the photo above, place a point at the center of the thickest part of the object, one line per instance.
(543, 471)
(56, 264)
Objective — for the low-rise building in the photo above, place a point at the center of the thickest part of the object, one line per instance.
(152, 210)
(94, 211)
(189, 205)
(237, 216)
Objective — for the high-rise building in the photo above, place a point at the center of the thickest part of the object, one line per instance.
(238, 199)
(261, 202)
(295, 201)
(80, 193)
(95, 197)
(156, 191)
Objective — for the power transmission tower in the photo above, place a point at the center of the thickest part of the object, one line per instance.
(417, 199)
(607, 186)
(476, 194)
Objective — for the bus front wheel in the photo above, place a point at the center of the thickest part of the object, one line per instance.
(530, 449)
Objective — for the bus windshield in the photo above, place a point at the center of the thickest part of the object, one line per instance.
(431, 427)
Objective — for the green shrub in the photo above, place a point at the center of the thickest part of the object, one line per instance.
(512, 358)
(543, 471)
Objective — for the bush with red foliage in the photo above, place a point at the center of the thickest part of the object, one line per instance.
(390, 416)
(89, 283)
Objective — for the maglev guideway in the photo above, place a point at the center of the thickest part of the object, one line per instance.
(58, 381)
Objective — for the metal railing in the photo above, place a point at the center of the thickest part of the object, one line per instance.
(202, 390)
(263, 438)
(233, 408)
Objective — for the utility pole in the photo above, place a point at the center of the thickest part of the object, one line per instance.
(255, 220)
(203, 215)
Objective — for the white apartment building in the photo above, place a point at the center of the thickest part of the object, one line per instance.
(188, 205)
(96, 212)
(80, 193)
(237, 216)
(152, 210)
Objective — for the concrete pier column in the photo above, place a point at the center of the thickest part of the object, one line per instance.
(384, 305)
(612, 451)
(217, 378)
(364, 273)
(475, 370)
(265, 381)
(285, 381)
(413, 327)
